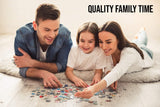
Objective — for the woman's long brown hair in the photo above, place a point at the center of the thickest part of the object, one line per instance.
(114, 28)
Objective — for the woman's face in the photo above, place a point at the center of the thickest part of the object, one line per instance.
(86, 42)
(108, 42)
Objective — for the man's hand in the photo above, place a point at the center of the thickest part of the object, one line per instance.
(23, 61)
(50, 80)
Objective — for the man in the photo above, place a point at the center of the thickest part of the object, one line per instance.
(42, 47)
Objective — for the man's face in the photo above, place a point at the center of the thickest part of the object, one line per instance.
(47, 31)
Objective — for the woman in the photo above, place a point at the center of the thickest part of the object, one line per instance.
(122, 55)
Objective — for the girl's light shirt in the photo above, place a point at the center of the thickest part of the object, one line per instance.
(79, 60)
(130, 61)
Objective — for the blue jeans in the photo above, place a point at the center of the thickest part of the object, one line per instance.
(141, 41)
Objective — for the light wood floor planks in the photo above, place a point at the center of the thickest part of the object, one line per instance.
(16, 92)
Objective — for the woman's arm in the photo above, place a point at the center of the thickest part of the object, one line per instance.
(89, 92)
(113, 85)
(128, 58)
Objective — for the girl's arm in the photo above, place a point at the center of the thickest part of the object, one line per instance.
(97, 76)
(78, 82)
(69, 73)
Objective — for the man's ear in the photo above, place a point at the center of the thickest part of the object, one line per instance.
(35, 25)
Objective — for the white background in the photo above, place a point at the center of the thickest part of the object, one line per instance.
(16, 13)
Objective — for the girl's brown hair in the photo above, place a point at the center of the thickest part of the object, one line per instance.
(89, 27)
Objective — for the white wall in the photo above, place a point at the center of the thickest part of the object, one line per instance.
(15, 13)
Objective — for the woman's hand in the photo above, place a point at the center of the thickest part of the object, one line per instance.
(89, 92)
(114, 85)
(86, 93)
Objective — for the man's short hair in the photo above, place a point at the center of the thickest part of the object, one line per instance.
(47, 11)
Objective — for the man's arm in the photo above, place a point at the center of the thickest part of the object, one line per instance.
(22, 58)
(49, 79)
(52, 67)
(19, 43)
(27, 61)
(60, 64)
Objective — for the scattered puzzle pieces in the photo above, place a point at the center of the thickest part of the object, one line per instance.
(60, 95)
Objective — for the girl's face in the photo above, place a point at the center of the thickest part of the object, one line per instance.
(86, 42)
(108, 42)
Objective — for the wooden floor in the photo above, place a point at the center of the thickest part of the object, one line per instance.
(16, 92)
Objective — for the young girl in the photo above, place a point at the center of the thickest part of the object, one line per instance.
(124, 56)
(86, 56)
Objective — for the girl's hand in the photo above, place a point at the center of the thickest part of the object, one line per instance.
(97, 77)
(80, 83)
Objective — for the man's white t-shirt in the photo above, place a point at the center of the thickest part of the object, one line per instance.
(43, 55)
